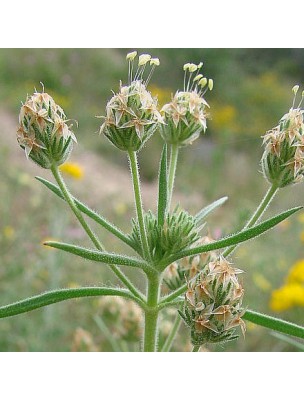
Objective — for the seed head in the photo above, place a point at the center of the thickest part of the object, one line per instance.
(185, 116)
(43, 131)
(131, 114)
(283, 158)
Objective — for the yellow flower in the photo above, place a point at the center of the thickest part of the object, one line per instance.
(287, 296)
(296, 274)
(9, 232)
(72, 169)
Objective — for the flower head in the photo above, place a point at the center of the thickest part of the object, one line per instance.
(283, 158)
(43, 131)
(185, 116)
(213, 303)
(131, 114)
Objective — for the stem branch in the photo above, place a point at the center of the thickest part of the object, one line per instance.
(138, 203)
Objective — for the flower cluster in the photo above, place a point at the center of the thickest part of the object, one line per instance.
(292, 293)
(187, 268)
(283, 158)
(185, 116)
(178, 232)
(213, 304)
(131, 114)
(43, 131)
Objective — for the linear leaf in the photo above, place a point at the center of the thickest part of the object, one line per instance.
(234, 239)
(276, 324)
(201, 215)
(55, 296)
(162, 188)
(89, 212)
(99, 256)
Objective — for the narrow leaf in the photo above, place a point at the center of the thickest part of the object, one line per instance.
(99, 256)
(276, 324)
(234, 239)
(162, 188)
(201, 215)
(89, 212)
(56, 296)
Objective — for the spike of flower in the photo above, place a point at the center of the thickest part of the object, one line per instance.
(213, 304)
(43, 131)
(131, 117)
(283, 158)
(185, 116)
(131, 56)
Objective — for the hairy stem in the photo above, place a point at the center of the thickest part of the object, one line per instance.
(138, 203)
(172, 171)
(269, 196)
(151, 314)
(71, 202)
(169, 341)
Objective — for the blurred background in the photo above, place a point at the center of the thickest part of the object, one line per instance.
(251, 93)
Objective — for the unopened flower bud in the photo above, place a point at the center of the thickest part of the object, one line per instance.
(43, 131)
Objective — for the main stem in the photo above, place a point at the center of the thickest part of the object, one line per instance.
(71, 202)
(138, 203)
(172, 171)
(269, 196)
(151, 314)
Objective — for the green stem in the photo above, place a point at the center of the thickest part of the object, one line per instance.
(151, 314)
(170, 338)
(276, 324)
(71, 202)
(56, 296)
(269, 196)
(196, 348)
(138, 203)
(172, 171)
